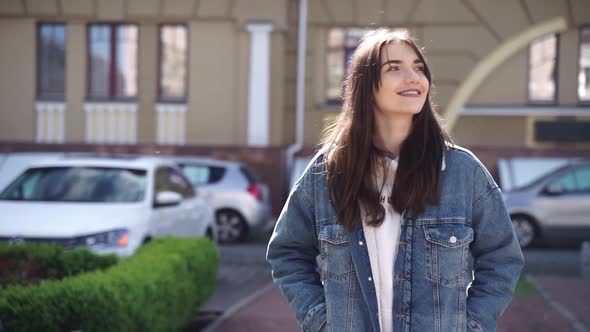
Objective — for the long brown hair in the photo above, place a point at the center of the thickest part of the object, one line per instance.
(351, 161)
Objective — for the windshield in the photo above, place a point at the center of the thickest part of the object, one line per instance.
(78, 184)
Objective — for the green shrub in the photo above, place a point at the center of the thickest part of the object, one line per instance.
(29, 263)
(157, 289)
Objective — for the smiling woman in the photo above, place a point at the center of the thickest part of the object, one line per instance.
(394, 209)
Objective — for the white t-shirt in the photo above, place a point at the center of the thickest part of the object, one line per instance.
(382, 245)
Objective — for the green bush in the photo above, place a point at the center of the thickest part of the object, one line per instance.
(157, 289)
(29, 263)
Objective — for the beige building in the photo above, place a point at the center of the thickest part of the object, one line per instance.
(222, 72)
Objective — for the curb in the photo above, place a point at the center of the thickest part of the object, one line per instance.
(236, 307)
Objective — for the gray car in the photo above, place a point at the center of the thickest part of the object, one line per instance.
(241, 203)
(554, 206)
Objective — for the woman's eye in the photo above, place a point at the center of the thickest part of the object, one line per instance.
(420, 68)
(392, 68)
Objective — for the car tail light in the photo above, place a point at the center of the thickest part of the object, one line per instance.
(255, 192)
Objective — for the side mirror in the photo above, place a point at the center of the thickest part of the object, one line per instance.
(168, 198)
(554, 189)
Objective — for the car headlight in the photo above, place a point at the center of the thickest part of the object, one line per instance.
(116, 238)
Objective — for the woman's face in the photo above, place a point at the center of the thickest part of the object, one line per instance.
(404, 85)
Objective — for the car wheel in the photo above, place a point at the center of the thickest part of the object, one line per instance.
(231, 227)
(524, 229)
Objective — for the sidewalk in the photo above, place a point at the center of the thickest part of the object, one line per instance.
(563, 306)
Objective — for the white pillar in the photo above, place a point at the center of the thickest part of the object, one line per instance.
(259, 89)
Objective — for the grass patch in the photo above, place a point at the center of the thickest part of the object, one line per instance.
(525, 288)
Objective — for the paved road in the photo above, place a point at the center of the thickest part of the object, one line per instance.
(552, 261)
(243, 271)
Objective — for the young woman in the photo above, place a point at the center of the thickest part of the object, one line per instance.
(377, 233)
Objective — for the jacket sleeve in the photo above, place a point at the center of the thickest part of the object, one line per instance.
(292, 252)
(497, 255)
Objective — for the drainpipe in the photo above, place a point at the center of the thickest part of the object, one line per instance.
(300, 92)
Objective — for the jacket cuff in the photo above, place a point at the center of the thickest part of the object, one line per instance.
(315, 318)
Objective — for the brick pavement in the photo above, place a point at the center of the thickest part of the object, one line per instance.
(568, 303)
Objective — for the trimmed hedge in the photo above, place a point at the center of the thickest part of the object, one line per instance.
(29, 263)
(157, 289)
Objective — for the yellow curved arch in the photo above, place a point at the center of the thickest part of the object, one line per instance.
(494, 59)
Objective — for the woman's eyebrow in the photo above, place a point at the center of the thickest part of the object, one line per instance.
(399, 61)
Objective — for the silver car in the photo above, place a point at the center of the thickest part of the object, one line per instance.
(240, 202)
(554, 206)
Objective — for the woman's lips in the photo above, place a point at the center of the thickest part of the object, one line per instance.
(410, 93)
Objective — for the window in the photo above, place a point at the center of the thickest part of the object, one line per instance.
(583, 179)
(169, 179)
(341, 46)
(575, 181)
(51, 61)
(78, 184)
(543, 70)
(173, 62)
(200, 175)
(112, 50)
(584, 65)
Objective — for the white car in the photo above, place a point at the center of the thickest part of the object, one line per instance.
(110, 205)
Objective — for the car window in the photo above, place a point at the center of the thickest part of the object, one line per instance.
(196, 174)
(77, 184)
(583, 179)
(201, 174)
(161, 181)
(180, 184)
(567, 182)
(169, 179)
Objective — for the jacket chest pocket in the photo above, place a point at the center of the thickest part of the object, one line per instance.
(447, 250)
(335, 252)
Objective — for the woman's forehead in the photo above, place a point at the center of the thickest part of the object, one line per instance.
(398, 50)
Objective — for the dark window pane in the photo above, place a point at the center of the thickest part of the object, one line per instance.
(100, 60)
(542, 69)
(52, 46)
(126, 69)
(216, 174)
(584, 65)
(173, 41)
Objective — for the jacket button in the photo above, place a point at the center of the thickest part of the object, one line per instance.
(361, 243)
(453, 239)
(370, 279)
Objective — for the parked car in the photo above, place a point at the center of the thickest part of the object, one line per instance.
(110, 205)
(555, 206)
(241, 203)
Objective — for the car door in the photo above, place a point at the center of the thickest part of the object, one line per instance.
(188, 214)
(569, 210)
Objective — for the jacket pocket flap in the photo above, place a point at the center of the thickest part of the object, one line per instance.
(333, 233)
(449, 235)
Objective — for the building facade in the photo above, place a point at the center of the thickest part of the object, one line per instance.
(221, 73)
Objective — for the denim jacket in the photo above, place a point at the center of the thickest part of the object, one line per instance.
(325, 273)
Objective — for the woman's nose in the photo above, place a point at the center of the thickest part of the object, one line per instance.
(411, 76)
